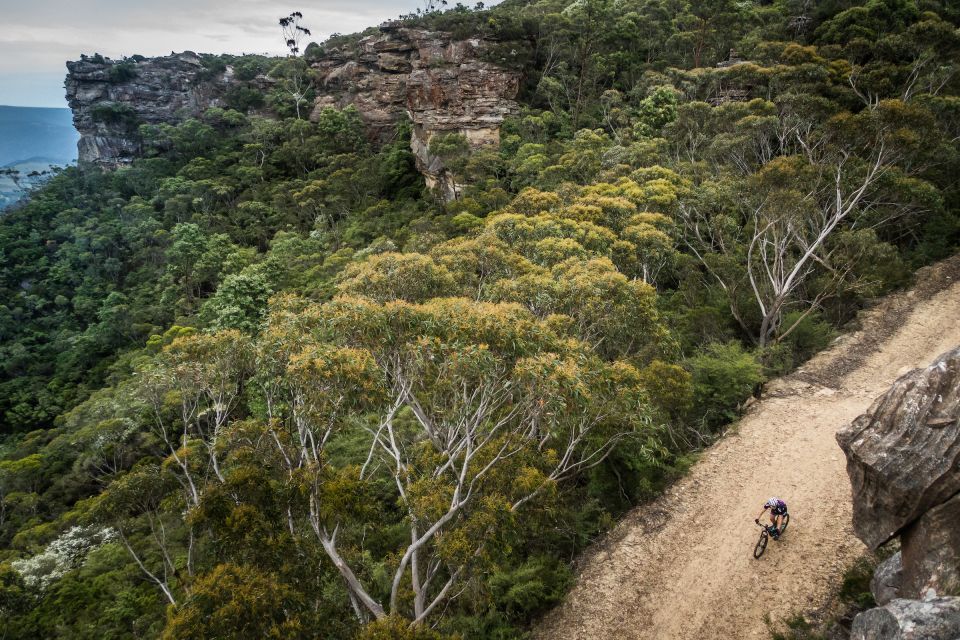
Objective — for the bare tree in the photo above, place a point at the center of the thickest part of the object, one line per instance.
(787, 239)
(205, 375)
(293, 31)
(459, 442)
(293, 72)
(430, 6)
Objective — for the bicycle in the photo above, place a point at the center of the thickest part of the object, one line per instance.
(765, 535)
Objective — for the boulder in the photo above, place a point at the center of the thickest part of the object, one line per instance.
(903, 455)
(935, 619)
(885, 584)
(931, 552)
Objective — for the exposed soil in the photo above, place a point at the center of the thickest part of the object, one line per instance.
(682, 567)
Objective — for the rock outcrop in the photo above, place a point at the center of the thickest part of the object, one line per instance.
(903, 455)
(934, 619)
(436, 82)
(903, 459)
(442, 85)
(110, 98)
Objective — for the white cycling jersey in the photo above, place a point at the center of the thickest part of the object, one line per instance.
(776, 505)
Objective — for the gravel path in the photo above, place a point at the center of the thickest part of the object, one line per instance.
(682, 567)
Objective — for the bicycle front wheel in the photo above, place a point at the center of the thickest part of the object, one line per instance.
(761, 545)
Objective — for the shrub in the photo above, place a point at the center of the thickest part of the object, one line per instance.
(313, 53)
(724, 375)
(243, 98)
(855, 588)
(668, 387)
(797, 628)
(534, 586)
(397, 628)
(249, 67)
(811, 335)
(236, 602)
(122, 72)
(115, 113)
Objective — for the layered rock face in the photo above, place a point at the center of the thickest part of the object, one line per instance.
(903, 459)
(111, 98)
(441, 85)
(903, 454)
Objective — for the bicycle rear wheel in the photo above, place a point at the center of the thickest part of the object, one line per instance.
(786, 521)
(761, 545)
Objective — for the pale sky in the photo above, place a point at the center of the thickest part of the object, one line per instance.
(38, 36)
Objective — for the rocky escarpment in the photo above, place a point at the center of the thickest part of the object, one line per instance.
(441, 84)
(438, 83)
(110, 98)
(903, 459)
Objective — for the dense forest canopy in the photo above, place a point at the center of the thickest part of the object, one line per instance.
(264, 383)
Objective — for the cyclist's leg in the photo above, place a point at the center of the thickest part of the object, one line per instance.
(778, 519)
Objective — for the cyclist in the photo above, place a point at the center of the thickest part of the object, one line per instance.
(778, 508)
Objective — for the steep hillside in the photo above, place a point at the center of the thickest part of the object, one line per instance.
(373, 340)
(683, 567)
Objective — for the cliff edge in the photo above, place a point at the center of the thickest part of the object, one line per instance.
(437, 82)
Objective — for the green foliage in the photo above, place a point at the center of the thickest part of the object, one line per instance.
(396, 276)
(240, 302)
(122, 72)
(397, 628)
(248, 352)
(853, 597)
(237, 602)
(810, 335)
(531, 588)
(243, 98)
(797, 628)
(723, 377)
(116, 113)
(855, 588)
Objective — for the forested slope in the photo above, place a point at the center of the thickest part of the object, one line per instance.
(262, 382)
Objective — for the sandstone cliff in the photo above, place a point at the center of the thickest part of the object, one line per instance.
(442, 85)
(111, 98)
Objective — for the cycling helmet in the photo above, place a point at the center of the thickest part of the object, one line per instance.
(772, 502)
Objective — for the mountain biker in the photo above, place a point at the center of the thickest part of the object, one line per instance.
(778, 508)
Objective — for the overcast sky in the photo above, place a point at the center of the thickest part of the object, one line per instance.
(38, 36)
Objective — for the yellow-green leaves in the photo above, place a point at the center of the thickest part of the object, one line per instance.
(397, 276)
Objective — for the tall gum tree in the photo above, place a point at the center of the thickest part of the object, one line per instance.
(471, 412)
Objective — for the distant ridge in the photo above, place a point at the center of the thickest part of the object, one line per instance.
(28, 133)
(34, 160)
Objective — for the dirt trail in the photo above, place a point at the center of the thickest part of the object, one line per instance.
(682, 567)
